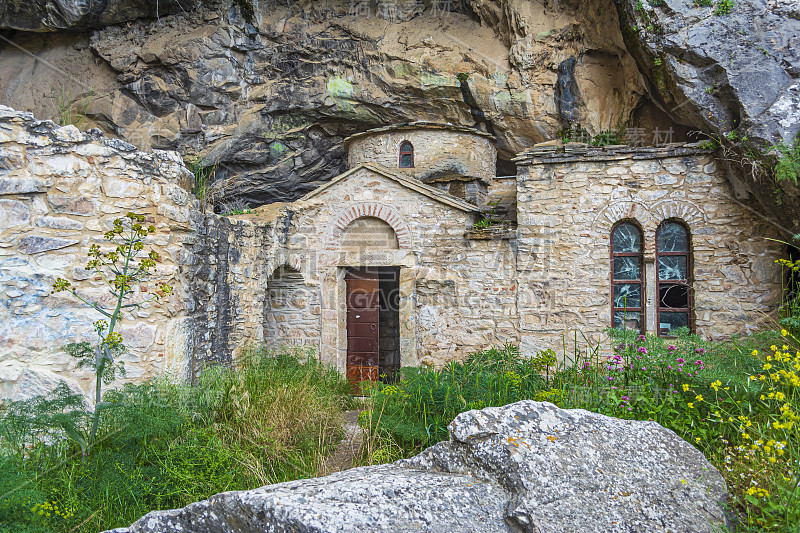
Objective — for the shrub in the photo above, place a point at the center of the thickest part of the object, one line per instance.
(122, 272)
(724, 7)
(788, 165)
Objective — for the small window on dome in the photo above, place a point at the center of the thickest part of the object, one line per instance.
(406, 155)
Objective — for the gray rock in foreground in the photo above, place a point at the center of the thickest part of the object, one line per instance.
(528, 466)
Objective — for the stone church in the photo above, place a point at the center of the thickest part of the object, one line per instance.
(418, 254)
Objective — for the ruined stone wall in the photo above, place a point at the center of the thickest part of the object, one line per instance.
(436, 149)
(60, 191)
(228, 287)
(567, 205)
(291, 310)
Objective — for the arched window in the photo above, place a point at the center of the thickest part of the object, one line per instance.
(627, 277)
(674, 266)
(406, 155)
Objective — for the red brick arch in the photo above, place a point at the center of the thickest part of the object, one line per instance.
(371, 209)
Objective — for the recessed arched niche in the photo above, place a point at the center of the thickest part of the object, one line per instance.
(291, 310)
(369, 233)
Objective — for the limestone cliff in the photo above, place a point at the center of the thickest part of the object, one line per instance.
(730, 70)
(266, 90)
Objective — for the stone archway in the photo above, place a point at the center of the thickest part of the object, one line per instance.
(374, 236)
(369, 233)
(373, 210)
(292, 310)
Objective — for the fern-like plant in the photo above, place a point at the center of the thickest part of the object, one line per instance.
(788, 165)
(121, 270)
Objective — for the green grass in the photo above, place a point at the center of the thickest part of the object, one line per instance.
(162, 445)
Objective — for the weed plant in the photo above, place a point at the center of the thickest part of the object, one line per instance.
(68, 106)
(788, 166)
(164, 445)
(417, 410)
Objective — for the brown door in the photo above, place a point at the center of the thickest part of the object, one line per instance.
(363, 333)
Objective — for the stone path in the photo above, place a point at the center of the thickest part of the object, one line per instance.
(348, 449)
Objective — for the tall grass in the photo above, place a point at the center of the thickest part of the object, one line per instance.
(69, 106)
(163, 445)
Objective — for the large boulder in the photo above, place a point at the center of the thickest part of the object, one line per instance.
(529, 466)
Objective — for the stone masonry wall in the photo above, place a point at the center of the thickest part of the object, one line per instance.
(229, 287)
(456, 295)
(436, 149)
(60, 190)
(278, 275)
(291, 310)
(567, 205)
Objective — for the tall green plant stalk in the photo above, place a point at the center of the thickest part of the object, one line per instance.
(122, 273)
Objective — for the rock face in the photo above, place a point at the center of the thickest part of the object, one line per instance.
(528, 466)
(724, 72)
(266, 91)
(49, 15)
(60, 191)
(268, 94)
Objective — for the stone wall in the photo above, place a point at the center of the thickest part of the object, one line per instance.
(60, 190)
(466, 297)
(229, 286)
(567, 205)
(277, 275)
(436, 149)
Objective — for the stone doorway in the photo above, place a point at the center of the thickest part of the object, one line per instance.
(373, 323)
